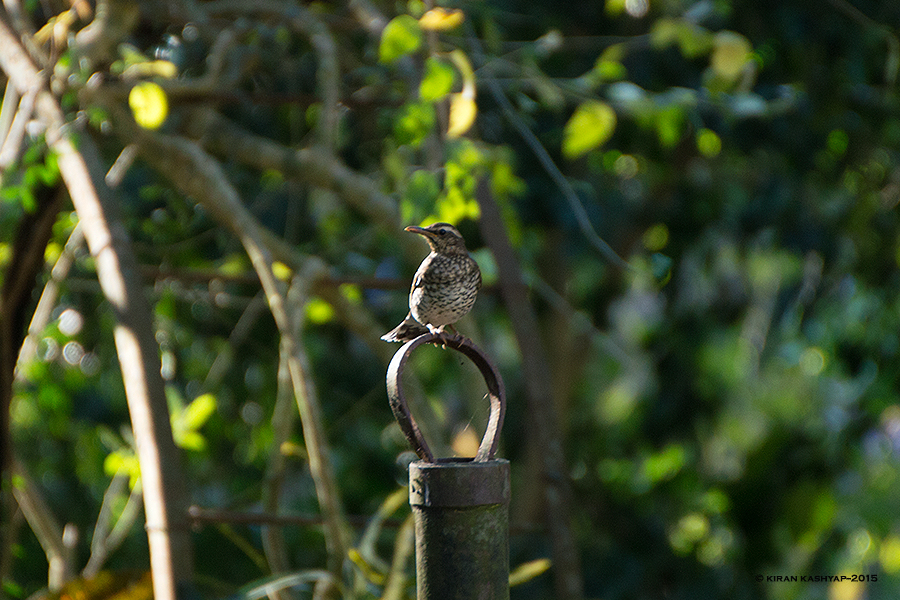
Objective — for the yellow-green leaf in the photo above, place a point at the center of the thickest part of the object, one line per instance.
(731, 51)
(708, 143)
(414, 123)
(441, 19)
(437, 82)
(353, 293)
(369, 571)
(528, 571)
(318, 311)
(151, 68)
(462, 114)
(190, 440)
(590, 127)
(281, 271)
(198, 412)
(123, 462)
(401, 36)
(149, 104)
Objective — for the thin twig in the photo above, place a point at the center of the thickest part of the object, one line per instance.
(534, 144)
(105, 540)
(539, 396)
(45, 527)
(47, 302)
(283, 418)
(13, 142)
(892, 64)
(307, 165)
(196, 174)
(397, 578)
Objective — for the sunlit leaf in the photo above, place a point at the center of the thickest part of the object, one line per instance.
(190, 440)
(889, 554)
(414, 123)
(692, 40)
(590, 127)
(149, 104)
(123, 462)
(709, 144)
(369, 571)
(664, 465)
(614, 8)
(847, 589)
(441, 19)
(670, 125)
(420, 194)
(609, 65)
(462, 114)
(108, 585)
(401, 36)
(437, 81)
(731, 51)
(528, 571)
(656, 237)
(318, 311)
(151, 68)
(198, 412)
(281, 271)
(352, 292)
(234, 264)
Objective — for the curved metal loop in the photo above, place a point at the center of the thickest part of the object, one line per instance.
(496, 394)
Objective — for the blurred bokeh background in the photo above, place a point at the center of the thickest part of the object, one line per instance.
(702, 368)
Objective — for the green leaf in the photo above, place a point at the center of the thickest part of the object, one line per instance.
(422, 191)
(437, 82)
(528, 571)
(190, 440)
(590, 127)
(670, 125)
(730, 53)
(401, 36)
(318, 311)
(414, 123)
(198, 412)
(708, 143)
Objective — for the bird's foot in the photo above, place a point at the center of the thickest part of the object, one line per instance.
(455, 338)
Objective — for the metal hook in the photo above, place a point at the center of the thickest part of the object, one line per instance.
(496, 394)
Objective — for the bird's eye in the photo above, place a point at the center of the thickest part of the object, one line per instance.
(442, 231)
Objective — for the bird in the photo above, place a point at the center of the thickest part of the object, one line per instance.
(444, 288)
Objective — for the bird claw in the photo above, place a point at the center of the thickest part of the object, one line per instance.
(456, 338)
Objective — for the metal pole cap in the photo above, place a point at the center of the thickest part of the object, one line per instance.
(459, 483)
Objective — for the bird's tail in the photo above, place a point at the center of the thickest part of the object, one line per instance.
(408, 330)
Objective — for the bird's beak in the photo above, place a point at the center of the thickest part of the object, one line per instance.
(419, 230)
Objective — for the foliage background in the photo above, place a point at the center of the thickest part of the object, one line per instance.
(727, 406)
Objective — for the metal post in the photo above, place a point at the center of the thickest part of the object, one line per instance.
(460, 506)
(461, 512)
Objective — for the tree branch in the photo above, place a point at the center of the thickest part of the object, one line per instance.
(199, 176)
(541, 410)
(307, 165)
(164, 494)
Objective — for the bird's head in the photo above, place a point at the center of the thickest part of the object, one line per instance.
(442, 237)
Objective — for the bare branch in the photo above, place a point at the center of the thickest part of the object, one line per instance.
(198, 175)
(309, 165)
(171, 560)
(539, 394)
